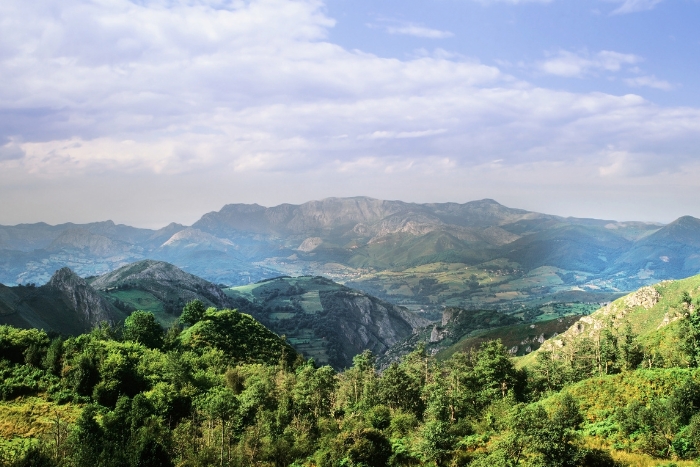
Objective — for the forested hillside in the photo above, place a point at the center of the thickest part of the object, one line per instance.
(220, 389)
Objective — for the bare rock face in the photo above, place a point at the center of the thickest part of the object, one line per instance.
(646, 297)
(310, 244)
(437, 334)
(369, 323)
(90, 307)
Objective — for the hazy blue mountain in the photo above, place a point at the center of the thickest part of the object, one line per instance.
(500, 256)
(672, 252)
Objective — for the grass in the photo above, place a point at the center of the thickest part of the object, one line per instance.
(631, 459)
(311, 302)
(142, 300)
(31, 417)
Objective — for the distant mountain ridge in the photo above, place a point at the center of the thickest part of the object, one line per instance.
(356, 240)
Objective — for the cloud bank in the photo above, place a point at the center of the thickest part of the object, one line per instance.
(254, 90)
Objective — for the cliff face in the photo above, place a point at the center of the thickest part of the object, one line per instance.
(324, 320)
(89, 307)
(365, 322)
(66, 304)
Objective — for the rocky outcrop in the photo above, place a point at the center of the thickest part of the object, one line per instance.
(310, 244)
(193, 238)
(437, 334)
(89, 306)
(641, 310)
(646, 297)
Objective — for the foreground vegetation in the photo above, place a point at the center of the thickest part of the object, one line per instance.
(221, 389)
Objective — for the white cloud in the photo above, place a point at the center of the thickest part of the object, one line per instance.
(418, 31)
(569, 64)
(633, 6)
(649, 81)
(402, 134)
(627, 6)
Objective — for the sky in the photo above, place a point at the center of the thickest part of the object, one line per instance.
(150, 112)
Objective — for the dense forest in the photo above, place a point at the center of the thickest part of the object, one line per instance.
(219, 389)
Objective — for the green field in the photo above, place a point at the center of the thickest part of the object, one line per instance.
(498, 285)
(142, 300)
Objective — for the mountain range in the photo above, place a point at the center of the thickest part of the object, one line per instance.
(423, 256)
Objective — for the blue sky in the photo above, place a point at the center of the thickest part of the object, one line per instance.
(152, 111)
(659, 39)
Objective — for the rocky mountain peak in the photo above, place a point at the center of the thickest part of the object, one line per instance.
(90, 307)
(65, 277)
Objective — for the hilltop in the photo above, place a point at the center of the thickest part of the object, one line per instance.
(159, 287)
(651, 316)
(70, 305)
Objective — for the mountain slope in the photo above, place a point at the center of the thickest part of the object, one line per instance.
(650, 313)
(325, 320)
(159, 287)
(572, 247)
(673, 252)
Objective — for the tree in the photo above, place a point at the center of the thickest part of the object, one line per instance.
(549, 373)
(87, 439)
(368, 447)
(193, 312)
(220, 404)
(314, 390)
(142, 327)
(495, 372)
(399, 391)
(52, 360)
(630, 352)
(689, 333)
(556, 440)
